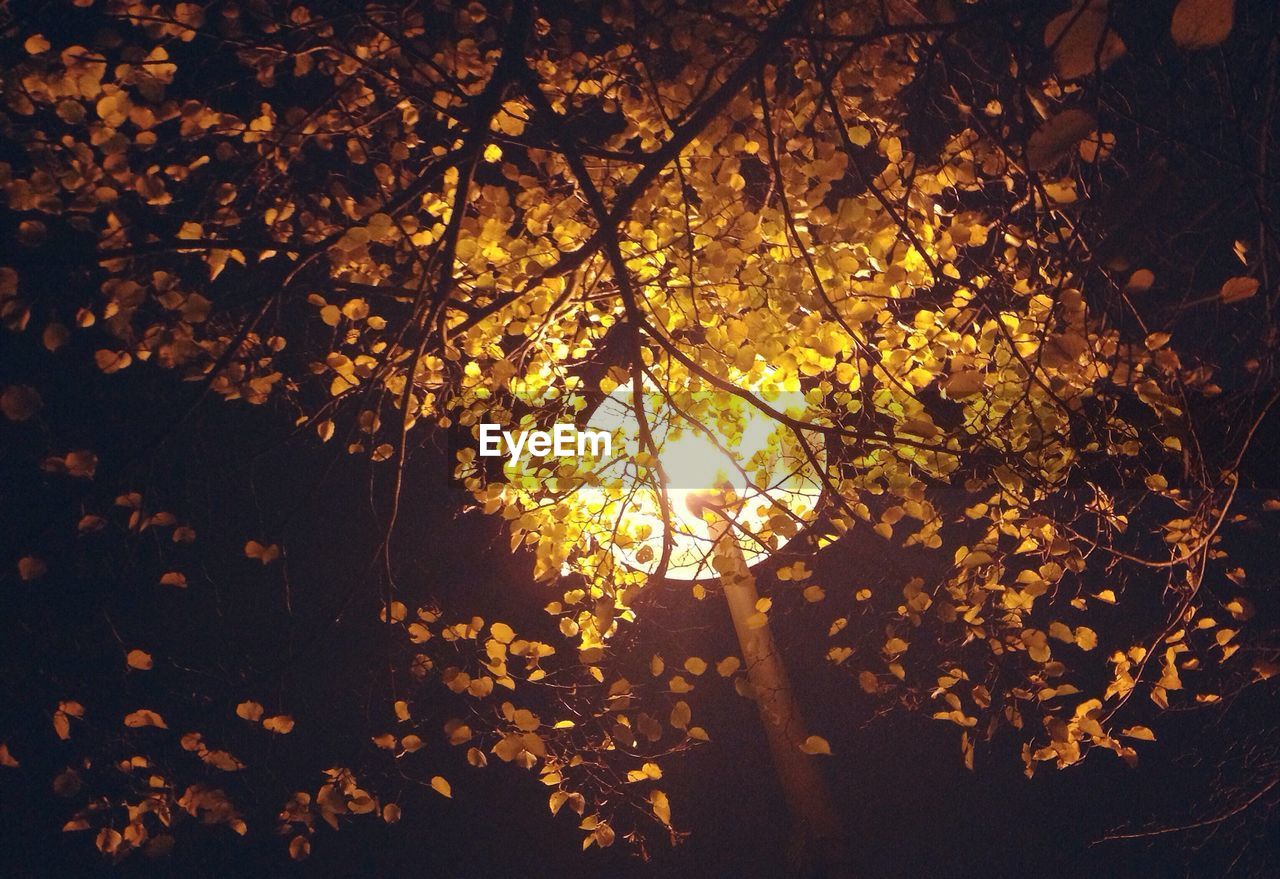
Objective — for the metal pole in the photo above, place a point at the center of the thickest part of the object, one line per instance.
(823, 852)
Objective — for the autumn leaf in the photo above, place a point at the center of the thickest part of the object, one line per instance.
(299, 848)
(144, 717)
(265, 554)
(138, 659)
(36, 44)
(31, 568)
(661, 806)
(1140, 281)
(1057, 138)
(695, 665)
(1081, 40)
(440, 786)
(816, 745)
(1202, 24)
(281, 724)
(174, 578)
(19, 402)
(1237, 289)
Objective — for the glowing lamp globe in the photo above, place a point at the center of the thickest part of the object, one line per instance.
(714, 450)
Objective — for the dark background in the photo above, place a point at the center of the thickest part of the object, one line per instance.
(302, 636)
(911, 808)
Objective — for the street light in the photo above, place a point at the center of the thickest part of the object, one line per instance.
(738, 485)
(707, 440)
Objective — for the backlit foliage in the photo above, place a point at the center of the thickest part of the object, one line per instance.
(399, 220)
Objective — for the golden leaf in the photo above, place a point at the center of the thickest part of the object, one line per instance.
(661, 806)
(299, 848)
(280, 723)
(1236, 289)
(138, 659)
(816, 745)
(144, 717)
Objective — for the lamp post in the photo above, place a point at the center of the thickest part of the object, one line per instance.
(711, 499)
(822, 848)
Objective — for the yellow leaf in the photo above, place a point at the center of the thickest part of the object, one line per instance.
(109, 840)
(728, 666)
(112, 361)
(963, 383)
(1140, 281)
(440, 786)
(661, 806)
(265, 554)
(143, 717)
(281, 724)
(299, 848)
(695, 665)
(816, 745)
(138, 659)
(249, 711)
(1139, 732)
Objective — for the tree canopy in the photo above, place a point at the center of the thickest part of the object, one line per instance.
(1015, 262)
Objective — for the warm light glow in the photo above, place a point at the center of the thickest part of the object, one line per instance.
(769, 487)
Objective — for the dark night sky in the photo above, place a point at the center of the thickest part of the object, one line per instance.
(911, 807)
